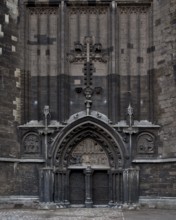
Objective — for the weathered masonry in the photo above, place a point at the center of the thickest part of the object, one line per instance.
(88, 102)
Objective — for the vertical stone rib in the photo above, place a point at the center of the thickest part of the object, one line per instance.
(97, 28)
(58, 64)
(111, 189)
(151, 68)
(117, 63)
(38, 68)
(26, 52)
(138, 69)
(48, 61)
(67, 64)
(109, 67)
(62, 37)
(153, 72)
(88, 23)
(28, 72)
(78, 26)
(113, 55)
(129, 59)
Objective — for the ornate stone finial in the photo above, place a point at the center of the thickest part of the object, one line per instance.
(130, 113)
(88, 104)
(130, 110)
(46, 110)
(88, 40)
(88, 92)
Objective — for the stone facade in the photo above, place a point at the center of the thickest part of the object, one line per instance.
(87, 75)
(10, 79)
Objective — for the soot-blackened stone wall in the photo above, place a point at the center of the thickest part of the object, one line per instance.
(9, 79)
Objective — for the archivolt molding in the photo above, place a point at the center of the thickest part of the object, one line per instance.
(113, 154)
(74, 133)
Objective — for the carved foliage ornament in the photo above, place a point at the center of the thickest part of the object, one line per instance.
(88, 10)
(146, 143)
(43, 10)
(133, 9)
(31, 143)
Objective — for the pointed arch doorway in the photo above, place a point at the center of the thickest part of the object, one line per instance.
(90, 171)
(89, 168)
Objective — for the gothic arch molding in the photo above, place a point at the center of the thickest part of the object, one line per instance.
(89, 127)
(114, 156)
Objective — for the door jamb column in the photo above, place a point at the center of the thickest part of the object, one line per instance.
(88, 187)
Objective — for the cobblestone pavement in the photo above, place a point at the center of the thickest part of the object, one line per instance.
(87, 214)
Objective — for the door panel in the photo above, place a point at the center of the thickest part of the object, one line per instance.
(100, 188)
(77, 187)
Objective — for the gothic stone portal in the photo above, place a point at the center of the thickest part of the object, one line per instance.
(91, 166)
(88, 178)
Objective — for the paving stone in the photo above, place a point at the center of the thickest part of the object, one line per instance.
(87, 214)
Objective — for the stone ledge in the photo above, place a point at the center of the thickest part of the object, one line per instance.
(18, 202)
(18, 198)
(158, 202)
(16, 160)
(157, 160)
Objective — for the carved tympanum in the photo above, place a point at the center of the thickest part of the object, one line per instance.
(88, 152)
(146, 143)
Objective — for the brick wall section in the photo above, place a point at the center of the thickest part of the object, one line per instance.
(9, 81)
(165, 84)
(158, 180)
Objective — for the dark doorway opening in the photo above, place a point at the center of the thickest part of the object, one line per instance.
(100, 187)
(77, 187)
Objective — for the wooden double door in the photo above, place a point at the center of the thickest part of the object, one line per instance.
(97, 188)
